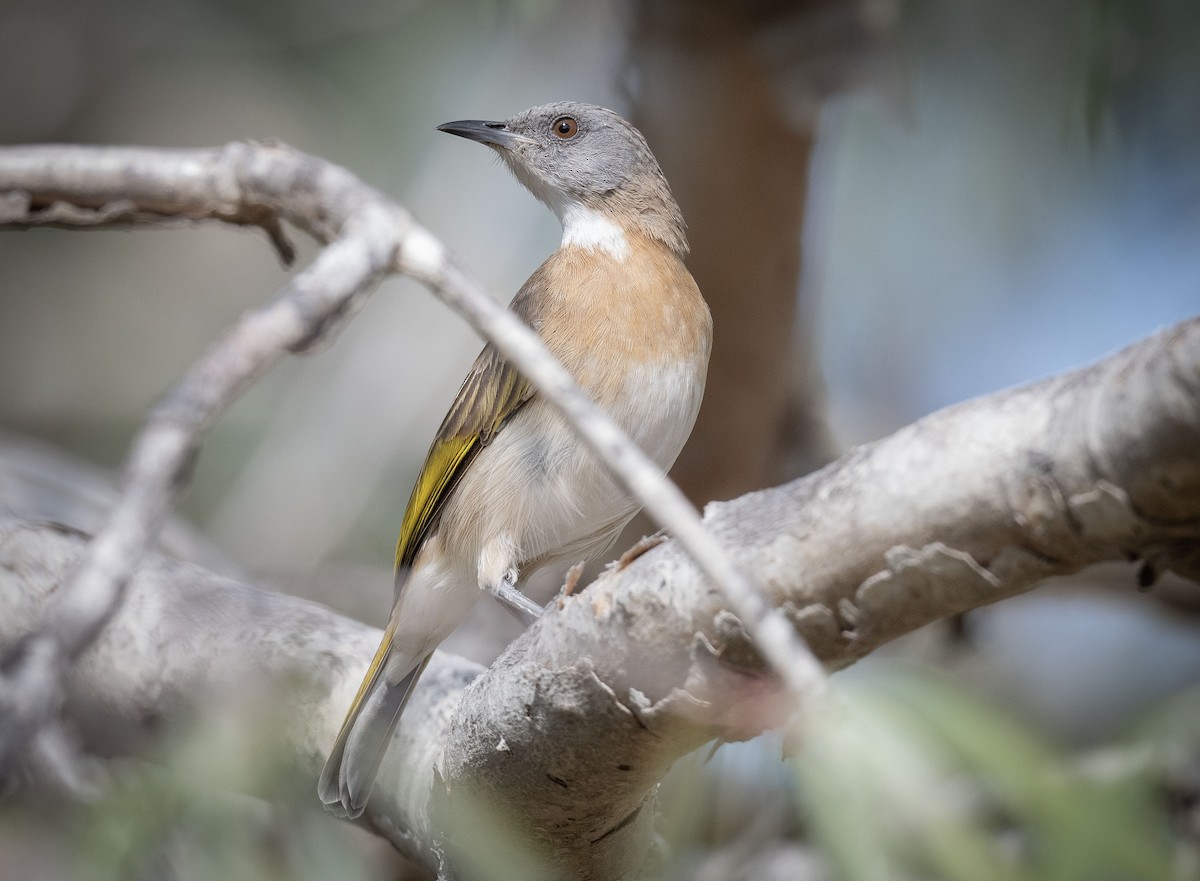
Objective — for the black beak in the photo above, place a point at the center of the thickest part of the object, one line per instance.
(495, 134)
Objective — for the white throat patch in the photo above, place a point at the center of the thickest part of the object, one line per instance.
(585, 228)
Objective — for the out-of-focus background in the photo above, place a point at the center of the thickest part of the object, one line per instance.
(894, 205)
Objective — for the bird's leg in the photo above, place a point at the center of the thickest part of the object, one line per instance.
(522, 607)
(498, 576)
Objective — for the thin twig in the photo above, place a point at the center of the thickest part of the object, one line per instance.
(231, 184)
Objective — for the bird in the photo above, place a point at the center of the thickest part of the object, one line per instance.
(506, 488)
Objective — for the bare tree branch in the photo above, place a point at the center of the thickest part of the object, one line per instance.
(968, 506)
(571, 729)
(232, 651)
(366, 237)
(39, 481)
(240, 183)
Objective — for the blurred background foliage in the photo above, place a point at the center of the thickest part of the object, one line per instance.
(983, 194)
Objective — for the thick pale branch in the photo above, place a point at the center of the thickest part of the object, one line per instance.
(965, 507)
(573, 726)
(187, 644)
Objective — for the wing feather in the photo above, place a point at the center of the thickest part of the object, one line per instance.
(492, 392)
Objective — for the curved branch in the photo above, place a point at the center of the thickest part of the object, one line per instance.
(366, 237)
(241, 183)
(569, 731)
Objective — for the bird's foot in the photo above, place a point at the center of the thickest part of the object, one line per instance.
(522, 607)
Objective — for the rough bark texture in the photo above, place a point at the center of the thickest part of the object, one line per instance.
(963, 508)
(567, 735)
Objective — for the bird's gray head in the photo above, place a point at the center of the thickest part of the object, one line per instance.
(588, 164)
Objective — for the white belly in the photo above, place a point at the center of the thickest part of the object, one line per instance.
(536, 495)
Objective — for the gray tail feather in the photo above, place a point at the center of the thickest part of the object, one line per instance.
(349, 772)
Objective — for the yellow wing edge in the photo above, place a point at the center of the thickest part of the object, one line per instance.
(490, 395)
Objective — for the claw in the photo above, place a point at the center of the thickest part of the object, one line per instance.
(523, 609)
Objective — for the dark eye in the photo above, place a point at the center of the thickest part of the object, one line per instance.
(565, 127)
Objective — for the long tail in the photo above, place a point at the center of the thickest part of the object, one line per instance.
(350, 770)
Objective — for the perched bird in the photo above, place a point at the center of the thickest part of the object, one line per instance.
(507, 488)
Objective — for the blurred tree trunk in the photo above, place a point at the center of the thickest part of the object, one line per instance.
(716, 91)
